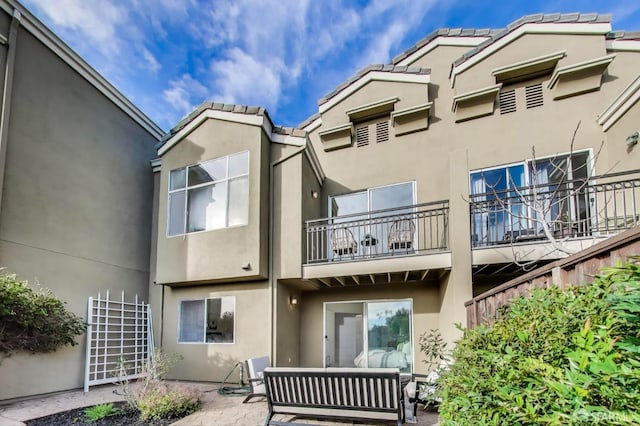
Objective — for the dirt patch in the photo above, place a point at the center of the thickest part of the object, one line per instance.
(125, 417)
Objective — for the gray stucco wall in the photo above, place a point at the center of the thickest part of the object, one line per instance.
(77, 203)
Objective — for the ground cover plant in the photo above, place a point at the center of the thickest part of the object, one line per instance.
(560, 357)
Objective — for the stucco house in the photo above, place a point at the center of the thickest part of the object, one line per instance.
(336, 243)
(470, 157)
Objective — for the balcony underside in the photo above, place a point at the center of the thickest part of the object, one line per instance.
(530, 252)
(411, 268)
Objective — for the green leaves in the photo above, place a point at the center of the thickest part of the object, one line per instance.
(557, 358)
(34, 321)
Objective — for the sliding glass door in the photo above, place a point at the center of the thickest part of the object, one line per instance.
(358, 216)
(369, 334)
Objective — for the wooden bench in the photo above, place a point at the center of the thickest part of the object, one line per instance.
(372, 394)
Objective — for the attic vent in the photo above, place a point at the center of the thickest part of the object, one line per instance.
(533, 95)
(507, 101)
(362, 136)
(382, 131)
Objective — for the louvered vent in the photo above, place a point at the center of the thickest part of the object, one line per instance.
(382, 131)
(533, 95)
(362, 136)
(508, 101)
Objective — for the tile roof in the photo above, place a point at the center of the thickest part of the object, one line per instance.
(292, 131)
(377, 67)
(445, 32)
(216, 106)
(623, 35)
(540, 18)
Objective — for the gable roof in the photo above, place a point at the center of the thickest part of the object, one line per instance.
(551, 23)
(256, 116)
(540, 18)
(374, 72)
(445, 32)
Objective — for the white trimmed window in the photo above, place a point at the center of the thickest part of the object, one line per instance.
(209, 195)
(207, 320)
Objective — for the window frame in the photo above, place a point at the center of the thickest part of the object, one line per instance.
(186, 188)
(204, 323)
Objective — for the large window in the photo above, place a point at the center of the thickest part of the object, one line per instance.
(369, 334)
(209, 195)
(207, 320)
(369, 215)
(514, 200)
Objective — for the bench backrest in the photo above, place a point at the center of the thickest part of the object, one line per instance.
(372, 393)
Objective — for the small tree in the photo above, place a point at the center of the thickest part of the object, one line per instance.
(543, 209)
(34, 321)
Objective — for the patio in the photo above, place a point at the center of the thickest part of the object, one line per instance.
(216, 409)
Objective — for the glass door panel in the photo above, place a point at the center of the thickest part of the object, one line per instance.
(389, 197)
(389, 335)
(369, 334)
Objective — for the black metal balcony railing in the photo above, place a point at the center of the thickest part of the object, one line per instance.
(597, 206)
(380, 233)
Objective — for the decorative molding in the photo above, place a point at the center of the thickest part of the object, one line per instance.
(528, 66)
(623, 45)
(337, 137)
(250, 119)
(465, 97)
(532, 28)
(156, 165)
(373, 76)
(384, 105)
(620, 105)
(442, 41)
(411, 110)
(580, 66)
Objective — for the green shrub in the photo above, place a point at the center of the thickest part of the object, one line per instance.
(34, 321)
(100, 411)
(567, 357)
(163, 403)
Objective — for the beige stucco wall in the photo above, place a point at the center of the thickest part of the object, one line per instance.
(76, 206)
(578, 48)
(211, 361)
(188, 258)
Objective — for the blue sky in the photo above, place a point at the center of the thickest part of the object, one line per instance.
(168, 56)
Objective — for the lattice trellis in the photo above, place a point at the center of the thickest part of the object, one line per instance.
(119, 334)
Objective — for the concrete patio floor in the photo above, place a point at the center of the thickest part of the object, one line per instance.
(216, 409)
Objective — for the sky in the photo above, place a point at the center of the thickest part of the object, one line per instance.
(168, 56)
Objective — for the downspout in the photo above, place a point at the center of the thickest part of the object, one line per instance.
(7, 89)
(272, 283)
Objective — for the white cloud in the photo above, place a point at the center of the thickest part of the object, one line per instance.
(243, 79)
(152, 63)
(98, 24)
(184, 93)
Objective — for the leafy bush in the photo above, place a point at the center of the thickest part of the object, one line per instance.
(557, 358)
(34, 321)
(163, 403)
(151, 396)
(100, 411)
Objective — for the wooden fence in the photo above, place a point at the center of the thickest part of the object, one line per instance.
(579, 268)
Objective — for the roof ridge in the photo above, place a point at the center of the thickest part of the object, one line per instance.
(369, 68)
(444, 32)
(542, 18)
(216, 106)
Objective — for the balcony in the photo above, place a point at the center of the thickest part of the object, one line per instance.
(377, 234)
(567, 210)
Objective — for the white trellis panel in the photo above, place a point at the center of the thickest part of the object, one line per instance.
(119, 334)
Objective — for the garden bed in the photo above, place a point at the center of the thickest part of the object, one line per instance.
(125, 417)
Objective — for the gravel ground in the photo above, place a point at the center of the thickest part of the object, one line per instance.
(125, 417)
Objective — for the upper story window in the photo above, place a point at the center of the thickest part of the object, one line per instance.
(210, 195)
